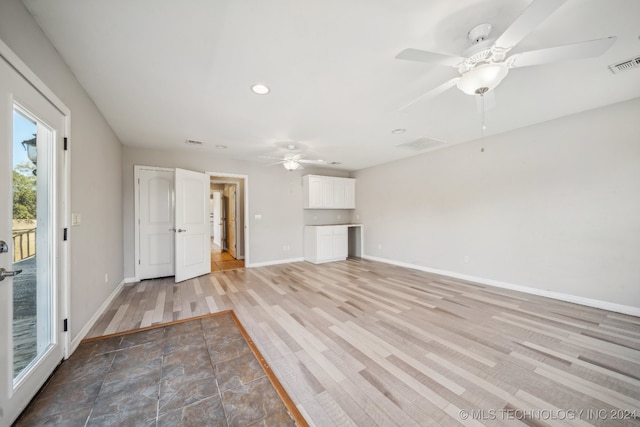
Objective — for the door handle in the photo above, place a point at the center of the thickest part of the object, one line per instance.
(172, 229)
(180, 230)
(4, 273)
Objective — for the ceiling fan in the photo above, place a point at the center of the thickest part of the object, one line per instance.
(293, 160)
(485, 64)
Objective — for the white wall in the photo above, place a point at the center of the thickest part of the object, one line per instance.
(274, 193)
(555, 206)
(96, 245)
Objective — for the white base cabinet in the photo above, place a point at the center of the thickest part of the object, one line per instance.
(325, 243)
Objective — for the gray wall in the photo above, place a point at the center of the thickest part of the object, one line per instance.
(555, 206)
(96, 244)
(274, 193)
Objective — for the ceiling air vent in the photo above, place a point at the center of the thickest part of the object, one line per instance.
(625, 65)
(422, 143)
(193, 142)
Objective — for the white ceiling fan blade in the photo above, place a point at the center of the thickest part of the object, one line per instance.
(430, 57)
(433, 92)
(310, 161)
(586, 49)
(533, 15)
(274, 163)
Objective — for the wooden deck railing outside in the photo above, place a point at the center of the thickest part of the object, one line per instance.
(24, 244)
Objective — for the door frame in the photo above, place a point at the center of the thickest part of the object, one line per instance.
(63, 250)
(245, 201)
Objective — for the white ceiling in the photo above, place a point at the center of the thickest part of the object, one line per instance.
(164, 71)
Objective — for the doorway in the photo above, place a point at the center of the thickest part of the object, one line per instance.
(171, 223)
(227, 222)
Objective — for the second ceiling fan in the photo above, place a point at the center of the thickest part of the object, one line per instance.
(293, 159)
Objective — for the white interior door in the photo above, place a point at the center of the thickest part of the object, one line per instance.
(232, 223)
(32, 218)
(217, 219)
(193, 245)
(156, 208)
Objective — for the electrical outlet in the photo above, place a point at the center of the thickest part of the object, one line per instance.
(339, 216)
(466, 258)
(379, 245)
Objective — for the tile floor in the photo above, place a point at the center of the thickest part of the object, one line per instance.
(196, 373)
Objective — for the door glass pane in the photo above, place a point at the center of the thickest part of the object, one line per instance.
(31, 288)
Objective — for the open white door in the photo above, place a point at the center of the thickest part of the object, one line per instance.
(193, 245)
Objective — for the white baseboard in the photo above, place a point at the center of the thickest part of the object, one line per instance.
(105, 305)
(589, 302)
(275, 262)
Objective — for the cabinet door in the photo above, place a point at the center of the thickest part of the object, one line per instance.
(316, 192)
(340, 242)
(325, 243)
(327, 193)
(349, 194)
(339, 193)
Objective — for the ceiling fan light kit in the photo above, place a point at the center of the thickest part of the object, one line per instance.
(291, 165)
(482, 78)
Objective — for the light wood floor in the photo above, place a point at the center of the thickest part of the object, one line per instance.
(222, 260)
(364, 343)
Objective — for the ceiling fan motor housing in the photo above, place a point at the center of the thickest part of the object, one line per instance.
(479, 33)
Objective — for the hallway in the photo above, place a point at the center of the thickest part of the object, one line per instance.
(222, 260)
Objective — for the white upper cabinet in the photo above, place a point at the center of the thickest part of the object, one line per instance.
(329, 192)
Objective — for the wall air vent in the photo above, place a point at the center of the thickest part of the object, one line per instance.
(625, 65)
(422, 143)
(193, 142)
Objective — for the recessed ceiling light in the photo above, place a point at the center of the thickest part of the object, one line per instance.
(221, 147)
(260, 89)
(398, 131)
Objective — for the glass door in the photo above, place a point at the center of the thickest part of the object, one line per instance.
(31, 187)
(32, 293)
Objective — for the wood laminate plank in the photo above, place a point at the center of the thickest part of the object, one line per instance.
(364, 343)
